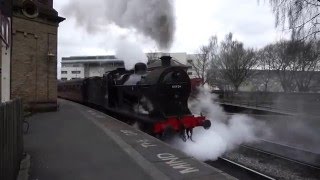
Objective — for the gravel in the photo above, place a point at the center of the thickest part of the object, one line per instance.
(270, 166)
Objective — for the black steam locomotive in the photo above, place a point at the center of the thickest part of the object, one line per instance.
(156, 100)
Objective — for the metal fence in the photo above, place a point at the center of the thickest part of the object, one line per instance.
(11, 139)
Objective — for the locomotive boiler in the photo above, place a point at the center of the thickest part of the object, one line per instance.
(156, 100)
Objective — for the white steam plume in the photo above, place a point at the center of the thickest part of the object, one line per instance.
(130, 52)
(226, 132)
(152, 18)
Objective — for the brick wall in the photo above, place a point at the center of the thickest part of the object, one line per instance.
(34, 62)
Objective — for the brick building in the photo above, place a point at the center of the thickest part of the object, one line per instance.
(34, 53)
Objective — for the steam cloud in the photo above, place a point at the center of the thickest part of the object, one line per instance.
(152, 18)
(131, 52)
(226, 133)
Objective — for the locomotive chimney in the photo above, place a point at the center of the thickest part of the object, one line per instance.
(166, 61)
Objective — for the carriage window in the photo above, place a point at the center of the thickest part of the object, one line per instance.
(75, 72)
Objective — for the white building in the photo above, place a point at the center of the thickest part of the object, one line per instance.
(181, 57)
(76, 67)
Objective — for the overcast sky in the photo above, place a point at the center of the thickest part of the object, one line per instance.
(196, 20)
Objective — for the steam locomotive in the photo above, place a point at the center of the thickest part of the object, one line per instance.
(156, 100)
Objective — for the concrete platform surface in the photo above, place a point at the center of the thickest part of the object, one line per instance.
(78, 143)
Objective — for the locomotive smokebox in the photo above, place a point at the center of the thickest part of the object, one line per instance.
(166, 61)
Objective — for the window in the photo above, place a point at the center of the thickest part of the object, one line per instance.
(64, 72)
(64, 79)
(75, 72)
(118, 64)
(66, 65)
(189, 61)
(75, 78)
(189, 73)
(108, 64)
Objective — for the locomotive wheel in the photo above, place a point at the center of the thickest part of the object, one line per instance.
(167, 134)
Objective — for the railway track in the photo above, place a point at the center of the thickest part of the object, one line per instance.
(282, 162)
(237, 170)
(289, 153)
(275, 165)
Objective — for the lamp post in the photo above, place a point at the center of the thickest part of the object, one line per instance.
(5, 33)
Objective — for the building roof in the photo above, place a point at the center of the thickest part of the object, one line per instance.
(90, 59)
(158, 63)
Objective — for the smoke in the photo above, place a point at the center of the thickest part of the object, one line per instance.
(130, 52)
(226, 133)
(296, 131)
(138, 108)
(152, 18)
(144, 107)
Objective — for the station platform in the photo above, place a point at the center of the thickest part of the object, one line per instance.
(78, 142)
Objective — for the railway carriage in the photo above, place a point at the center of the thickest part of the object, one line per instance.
(72, 90)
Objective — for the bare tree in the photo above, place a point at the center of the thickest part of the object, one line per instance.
(215, 78)
(302, 16)
(234, 62)
(294, 62)
(305, 61)
(202, 60)
(263, 77)
(282, 64)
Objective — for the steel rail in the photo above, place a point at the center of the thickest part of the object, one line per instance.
(301, 162)
(237, 170)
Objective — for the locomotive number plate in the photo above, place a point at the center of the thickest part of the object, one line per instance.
(176, 86)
